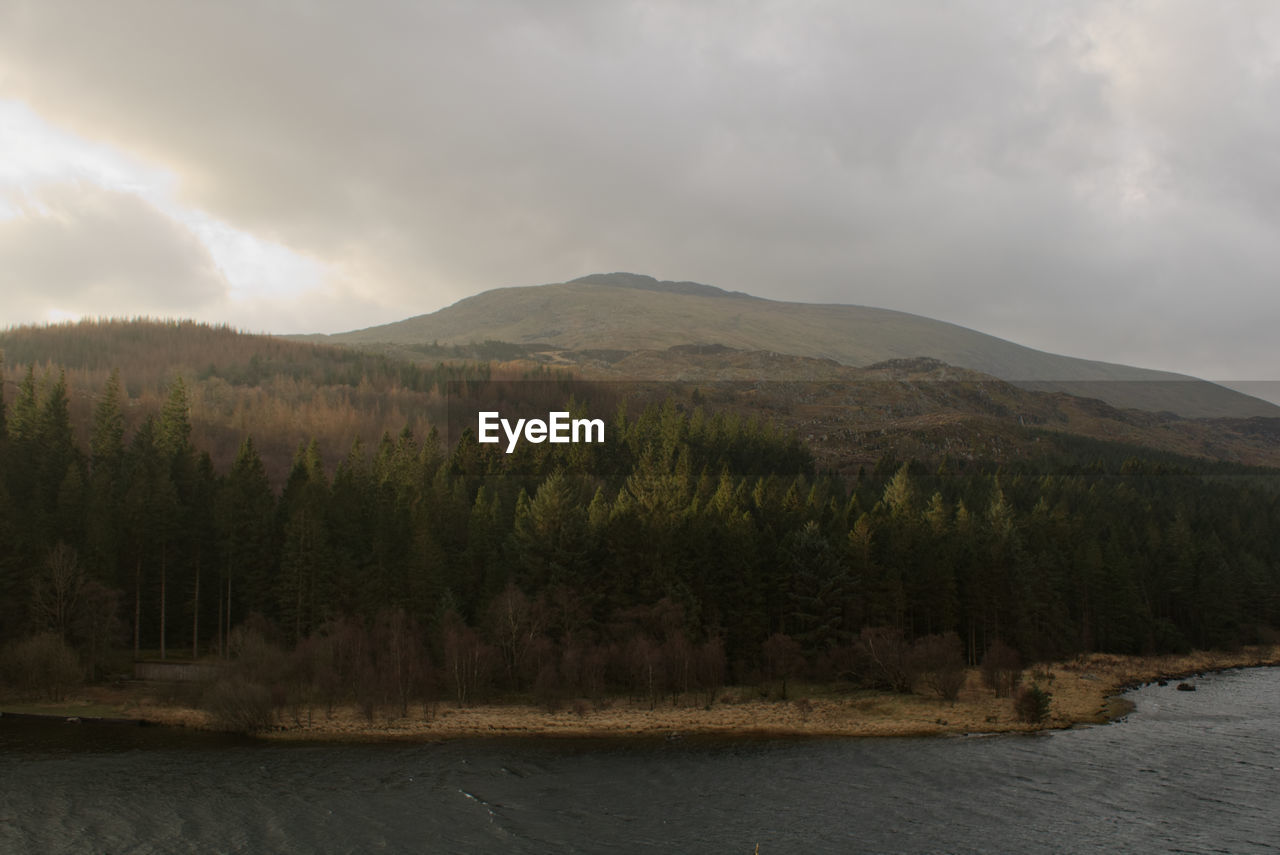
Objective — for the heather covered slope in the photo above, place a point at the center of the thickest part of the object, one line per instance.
(631, 312)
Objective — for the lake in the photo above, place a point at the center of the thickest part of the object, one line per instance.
(1186, 772)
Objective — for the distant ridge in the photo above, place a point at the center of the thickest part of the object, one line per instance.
(640, 282)
(629, 311)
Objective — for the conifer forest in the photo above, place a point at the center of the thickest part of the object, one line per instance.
(692, 547)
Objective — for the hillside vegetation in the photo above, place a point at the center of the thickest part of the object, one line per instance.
(698, 543)
(279, 392)
(284, 393)
(629, 312)
(850, 417)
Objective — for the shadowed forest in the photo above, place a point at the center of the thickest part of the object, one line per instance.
(691, 549)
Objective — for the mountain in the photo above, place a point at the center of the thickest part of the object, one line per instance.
(631, 312)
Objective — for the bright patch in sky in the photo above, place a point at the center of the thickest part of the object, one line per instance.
(35, 155)
(58, 316)
(33, 152)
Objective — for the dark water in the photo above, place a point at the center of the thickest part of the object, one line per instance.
(1188, 772)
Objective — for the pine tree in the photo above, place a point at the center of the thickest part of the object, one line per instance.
(900, 493)
(106, 443)
(52, 450)
(21, 423)
(551, 535)
(149, 513)
(15, 567)
(354, 507)
(173, 437)
(103, 524)
(176, 501)
(304, 587)
(246, 523)
(819, 591)
(201, 535)
(4, 429)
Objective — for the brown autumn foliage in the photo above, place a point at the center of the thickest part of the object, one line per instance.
(278, 391)
(1001, 669)
(889, 656)
(42, 666)
(783, 659)
(939, 662)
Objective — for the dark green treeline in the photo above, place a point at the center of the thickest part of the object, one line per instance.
(719, 520)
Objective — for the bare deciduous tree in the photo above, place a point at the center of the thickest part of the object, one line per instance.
(678, 664)
(644, 665)
(44, 665)
(939, 660)
(889, 655)
(709, 666)
(782, 659)
(1001, 669)
(96, 623)
(55, 591)
(401, 657)
(514, 624)
(467, 660)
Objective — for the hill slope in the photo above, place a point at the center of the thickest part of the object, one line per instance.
(281, 393)
(285, 393)
(625, 311)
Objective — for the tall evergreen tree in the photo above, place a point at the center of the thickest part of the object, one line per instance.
(4, 426)
(304, 586)
(106, 443)
(103, 524)
(551, 535)
(173, 436)
(246, 523)
(146, 523)
(21, 422)
(55, 454)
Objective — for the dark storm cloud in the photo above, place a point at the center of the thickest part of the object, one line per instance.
(1092, 178)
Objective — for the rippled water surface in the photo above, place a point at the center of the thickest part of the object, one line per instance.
(1187, 772)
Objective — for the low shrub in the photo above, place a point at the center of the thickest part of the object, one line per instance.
(1032, 704)
(239, 706)
(44, 666)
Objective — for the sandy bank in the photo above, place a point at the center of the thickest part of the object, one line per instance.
(1083, 692)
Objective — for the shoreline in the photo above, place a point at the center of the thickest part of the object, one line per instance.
(1085, 691)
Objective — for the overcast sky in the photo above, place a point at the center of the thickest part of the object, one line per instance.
(1100, 179)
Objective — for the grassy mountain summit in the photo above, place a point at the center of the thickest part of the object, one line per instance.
(631, 312)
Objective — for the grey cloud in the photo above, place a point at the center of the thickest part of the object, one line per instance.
(1064, 174)
(82, 248)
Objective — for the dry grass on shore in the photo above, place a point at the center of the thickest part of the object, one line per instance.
(1082, 691)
